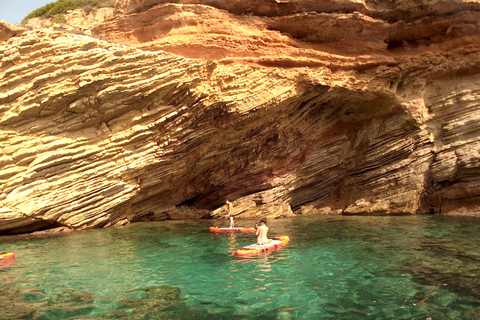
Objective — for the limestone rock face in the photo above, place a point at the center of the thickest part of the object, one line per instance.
(288, 107)
(81, 19)
(7, 30)
(306, 32)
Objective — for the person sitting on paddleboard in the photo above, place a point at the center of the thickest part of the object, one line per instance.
(230, 213)
(261, 232)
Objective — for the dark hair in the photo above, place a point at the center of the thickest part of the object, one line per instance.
(264, 220)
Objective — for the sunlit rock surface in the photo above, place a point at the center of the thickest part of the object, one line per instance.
(283, 107)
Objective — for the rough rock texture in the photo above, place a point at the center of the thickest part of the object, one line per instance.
(74, 19)
(346, 107)
(7, 30)
(297, 32)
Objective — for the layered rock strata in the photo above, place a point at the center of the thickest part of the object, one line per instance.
(273, 114)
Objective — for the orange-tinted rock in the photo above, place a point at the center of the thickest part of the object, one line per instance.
(8, 30)
(374, 112)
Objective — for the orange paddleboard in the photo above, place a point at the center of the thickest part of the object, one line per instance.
(7, 255)
(259, 248)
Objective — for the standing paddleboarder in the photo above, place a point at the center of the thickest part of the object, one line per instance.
(230, 214)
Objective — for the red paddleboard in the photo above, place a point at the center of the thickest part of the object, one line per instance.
(244, 230)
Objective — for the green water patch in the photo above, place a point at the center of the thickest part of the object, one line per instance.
(415, 267)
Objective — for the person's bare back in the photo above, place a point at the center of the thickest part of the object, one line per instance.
(261, 232)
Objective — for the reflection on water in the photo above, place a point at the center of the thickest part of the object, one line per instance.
(333, 268)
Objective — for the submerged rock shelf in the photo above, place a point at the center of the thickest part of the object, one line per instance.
(97, 133)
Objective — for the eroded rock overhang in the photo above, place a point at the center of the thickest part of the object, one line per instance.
(96, 133)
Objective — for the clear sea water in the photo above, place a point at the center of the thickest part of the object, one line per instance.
(408, 267)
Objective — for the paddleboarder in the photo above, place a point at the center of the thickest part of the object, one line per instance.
(230, 214)
(262, 231)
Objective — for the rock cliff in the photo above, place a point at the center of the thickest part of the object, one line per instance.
(282, 106)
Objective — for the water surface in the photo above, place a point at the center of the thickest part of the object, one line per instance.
(413, 267)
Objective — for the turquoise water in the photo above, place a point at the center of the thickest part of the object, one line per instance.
(414, 267)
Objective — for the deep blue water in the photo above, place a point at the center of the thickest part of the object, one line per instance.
(408, 267)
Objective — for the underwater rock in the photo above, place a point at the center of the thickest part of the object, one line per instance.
(152, 303)
(17, 303)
